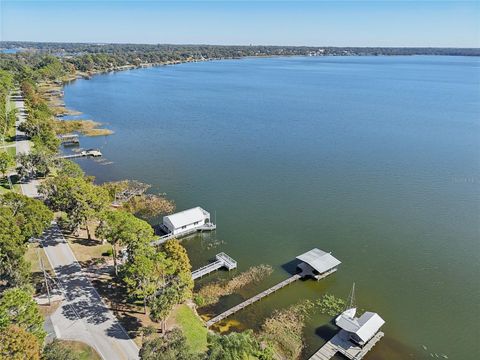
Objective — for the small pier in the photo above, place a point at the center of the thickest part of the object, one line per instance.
(342, 344)
(85, 153)
(69, 139)
(201, 228)
(314, 263)
(221, 260)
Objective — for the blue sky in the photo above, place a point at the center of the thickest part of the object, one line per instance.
(318, 23)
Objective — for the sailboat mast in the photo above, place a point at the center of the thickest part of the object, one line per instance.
(352, 297)
(350, 304)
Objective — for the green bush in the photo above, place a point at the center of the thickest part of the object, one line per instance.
(58, 351)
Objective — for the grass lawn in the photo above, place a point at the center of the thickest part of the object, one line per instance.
(84, 351)
(9, 149)
(86, 250)
(192, 327)
(32, 256)
(5, 187)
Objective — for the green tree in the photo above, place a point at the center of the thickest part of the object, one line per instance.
(6, 86)
(81, 200)
(69, 168)
(122, 228)
(177, 253)
(18, 344)
(17, 307)
(181, 279)
(57, 351)
(31, 215)
(13, 268)
(171, 346)
(5, 162)
(145, 275)
(25, 167)
(235, 346)
(149, 205)
(162, 304)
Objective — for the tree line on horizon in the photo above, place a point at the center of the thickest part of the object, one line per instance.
(97, 57)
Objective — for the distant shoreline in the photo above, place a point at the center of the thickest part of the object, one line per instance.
(78, 75)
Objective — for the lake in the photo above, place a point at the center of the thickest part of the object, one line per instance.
(375, 159)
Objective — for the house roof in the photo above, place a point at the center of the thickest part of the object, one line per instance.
(319, 260)
(187, 217)
(365, 327)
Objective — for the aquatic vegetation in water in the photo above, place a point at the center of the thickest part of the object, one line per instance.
(228, 325)
(211, 293)
(85, 127)
(283, 330)
(147, 206)
(330, 305)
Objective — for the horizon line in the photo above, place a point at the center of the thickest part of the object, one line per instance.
(232, 45)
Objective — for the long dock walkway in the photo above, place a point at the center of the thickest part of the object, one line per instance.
(252, 300)
(88, 153)
(222, 260)
(262, 295)
(340, 343)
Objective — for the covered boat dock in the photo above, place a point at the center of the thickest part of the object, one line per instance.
(314, 263)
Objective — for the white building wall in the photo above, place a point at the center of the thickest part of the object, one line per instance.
(182, 229)
(197, 219)
(188, 227)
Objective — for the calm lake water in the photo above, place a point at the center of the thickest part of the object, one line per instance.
(375, 159)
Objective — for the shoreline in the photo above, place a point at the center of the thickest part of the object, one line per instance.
(78, 75)
(54, 92)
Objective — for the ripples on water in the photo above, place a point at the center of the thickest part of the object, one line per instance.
(373, 158)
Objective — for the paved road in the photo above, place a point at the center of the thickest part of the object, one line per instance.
(29, 188)
(82, 315)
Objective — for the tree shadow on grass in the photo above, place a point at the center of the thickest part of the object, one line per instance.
(130, 323)
(84, 241)
(117, 295)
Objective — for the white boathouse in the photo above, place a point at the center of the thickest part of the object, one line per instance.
(317, 263)
(187, 221)
(360, 329)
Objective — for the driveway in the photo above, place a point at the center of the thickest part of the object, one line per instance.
(83, 316)
(29, 188)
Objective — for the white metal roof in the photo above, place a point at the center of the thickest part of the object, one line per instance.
(347, 323)
(365, 327)
(370, 323)
(187, 217)
(319, 260)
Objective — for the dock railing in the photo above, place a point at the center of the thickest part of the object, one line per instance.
(222, 260)
(229, 262)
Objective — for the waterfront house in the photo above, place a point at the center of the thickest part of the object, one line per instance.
(187, 221)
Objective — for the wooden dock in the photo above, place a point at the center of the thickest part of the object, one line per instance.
(205, 227)
(85, 153)
(222, 260)
(261, 296)
(69, 139)
(252, 300)
(341, 343)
